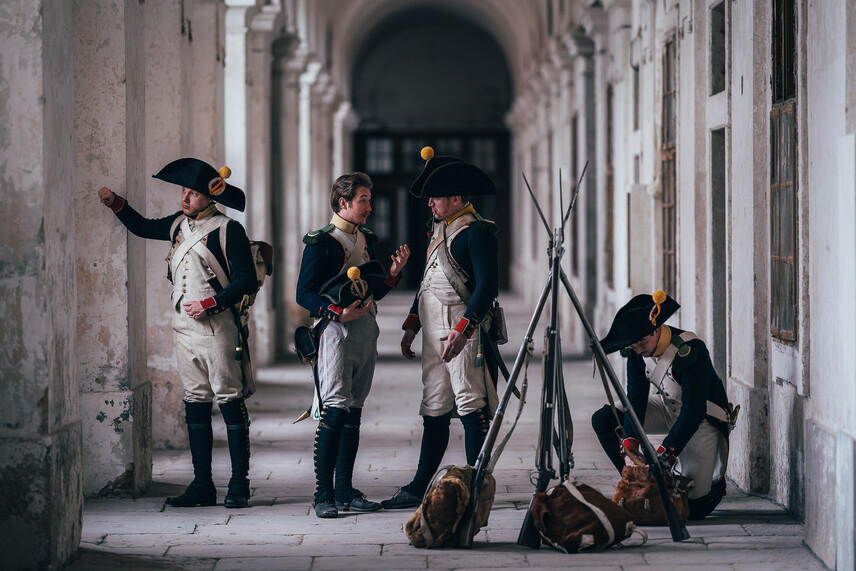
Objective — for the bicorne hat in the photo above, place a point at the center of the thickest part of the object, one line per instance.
(204, 179)
(450, 176)
(359, 282)
(637, 319)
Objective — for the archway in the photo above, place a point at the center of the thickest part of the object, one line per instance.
(429, 77)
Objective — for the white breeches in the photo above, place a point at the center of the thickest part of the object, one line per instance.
(346, 361)
(459, 383)
(205, 351)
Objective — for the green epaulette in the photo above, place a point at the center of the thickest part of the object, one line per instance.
(317, 235)
(685, 355)
(370, 236)
(485, 224)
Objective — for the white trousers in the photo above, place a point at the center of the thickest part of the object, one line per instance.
(346, 361)
(705, 456)
(458, 384)
(205, 351)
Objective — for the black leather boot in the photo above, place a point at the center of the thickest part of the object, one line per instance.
(201, 491)
(435, 439)
(327, 438)
(603, 422)
(238, 434)
(347, 497)
(476, 425)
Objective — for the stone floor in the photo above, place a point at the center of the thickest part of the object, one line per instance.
(280, 531)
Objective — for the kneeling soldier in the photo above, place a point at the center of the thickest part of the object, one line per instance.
(689, 405)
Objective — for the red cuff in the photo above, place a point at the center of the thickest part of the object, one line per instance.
(331, 312)
(392, 280)
(208, 303)
(118, 203)
(669, 454)
(466, 327)
(412, 322)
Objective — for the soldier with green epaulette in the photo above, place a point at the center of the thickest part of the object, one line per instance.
(347, 346)
(674, 390)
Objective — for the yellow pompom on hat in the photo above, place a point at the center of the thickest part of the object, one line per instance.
(354, 273)
(427, 153)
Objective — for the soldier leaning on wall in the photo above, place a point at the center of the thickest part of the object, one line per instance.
(208, 283)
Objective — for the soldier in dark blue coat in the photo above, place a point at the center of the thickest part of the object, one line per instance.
(460, 282)
(210, 282)
(688, 402)
(348, 341)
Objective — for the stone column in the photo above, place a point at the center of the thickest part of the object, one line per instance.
(235, 97)
(208, 49)
(308, 218)
(169, 28)
(109, 142)
(285, 196)
(259, 216)
(581, 49)
(344, 123)
(40, 436)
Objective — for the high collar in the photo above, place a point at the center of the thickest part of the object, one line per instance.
(343, 225)
(209, 210)
(663, 342)
(468, 209)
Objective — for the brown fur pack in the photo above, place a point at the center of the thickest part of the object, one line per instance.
(445, 502)
(575, 517)
(637, 493)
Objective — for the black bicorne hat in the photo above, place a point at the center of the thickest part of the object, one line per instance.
(204, 179)
(637, 319)
(352, 285)
(450, 176)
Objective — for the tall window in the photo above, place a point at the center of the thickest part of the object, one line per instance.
(783, 179)
(669, 171)
(575, 219)
(609, 246)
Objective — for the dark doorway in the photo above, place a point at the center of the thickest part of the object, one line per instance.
(429, 78)
(393, 162)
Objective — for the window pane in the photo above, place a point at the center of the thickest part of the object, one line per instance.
(379, 155)
(411, 158)
(774, 164)
(786, 222)
(484, 153)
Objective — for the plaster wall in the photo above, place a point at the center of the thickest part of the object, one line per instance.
(620, 76)
(747, 260)
(691, 207)
(40, 444)
(109, 138)
(832, 211)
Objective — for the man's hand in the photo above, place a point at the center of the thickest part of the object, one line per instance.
(454, 345)
(355, 310)
(106, 195)
(399, 258)
(194, 309)
(406, 342)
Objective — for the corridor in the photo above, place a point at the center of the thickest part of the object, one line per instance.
(280, 531)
